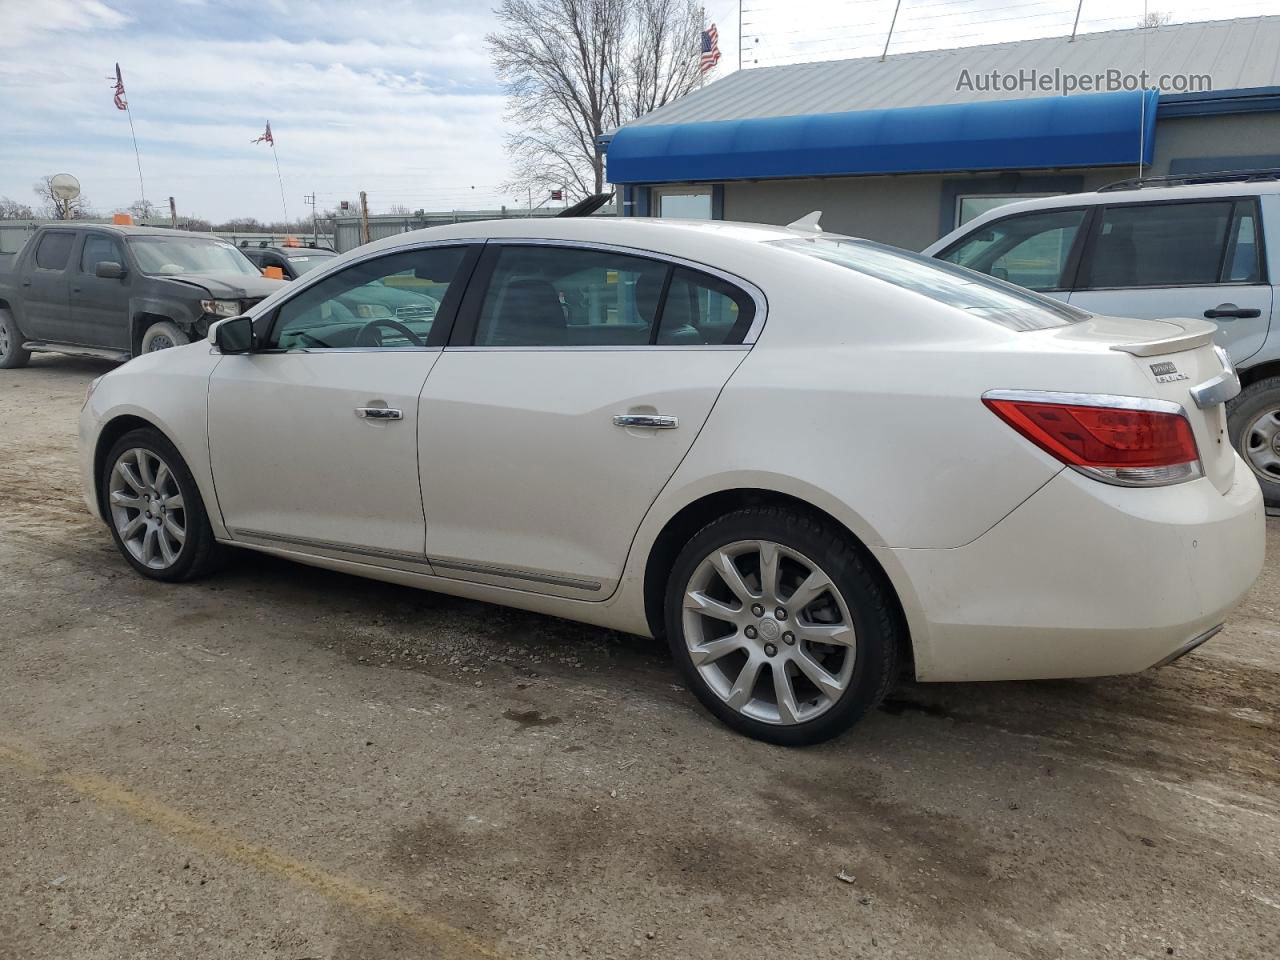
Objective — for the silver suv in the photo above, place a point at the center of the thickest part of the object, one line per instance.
(1197, 246)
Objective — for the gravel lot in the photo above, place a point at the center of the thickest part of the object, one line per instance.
(287, 763)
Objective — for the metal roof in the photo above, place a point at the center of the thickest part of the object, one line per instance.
(1236, 54)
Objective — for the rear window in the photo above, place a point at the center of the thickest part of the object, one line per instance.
(975, 293)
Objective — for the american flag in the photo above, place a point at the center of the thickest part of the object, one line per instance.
(710, 49)
(266, 137)
(121, 102)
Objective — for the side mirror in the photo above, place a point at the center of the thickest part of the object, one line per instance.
(233, 335)
(109, 270)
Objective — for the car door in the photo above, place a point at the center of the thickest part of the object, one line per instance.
(100, 305)
(45, 287)
(576, 380)
(1193, 258)
(314, 436)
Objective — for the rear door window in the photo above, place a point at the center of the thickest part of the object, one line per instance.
(54, 251)
(704, 310)
(1030, 249)
(1159, 245)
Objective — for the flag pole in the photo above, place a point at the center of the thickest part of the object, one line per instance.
(280, 178)
(136, 156)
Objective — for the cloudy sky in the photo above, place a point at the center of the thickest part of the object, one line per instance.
(390, 96)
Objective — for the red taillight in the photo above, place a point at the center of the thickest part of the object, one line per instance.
(1131, 445)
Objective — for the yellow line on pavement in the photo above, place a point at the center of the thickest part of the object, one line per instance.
(452, 941)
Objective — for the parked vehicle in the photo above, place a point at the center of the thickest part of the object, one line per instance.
(1196, 246)
(802, 458)
(291, 260)
(115, 292)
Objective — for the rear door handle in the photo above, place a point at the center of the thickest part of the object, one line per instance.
(653, 421)
(1229, 311)
(379, 413)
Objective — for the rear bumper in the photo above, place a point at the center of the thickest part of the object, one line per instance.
(1084, 579)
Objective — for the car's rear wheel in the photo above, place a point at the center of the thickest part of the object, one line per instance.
(154, 509)
(1254, 424)
(162, 336)
(11, 352)
(779, 626)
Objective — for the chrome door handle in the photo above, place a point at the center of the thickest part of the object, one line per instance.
(379, 413)
(651, 420)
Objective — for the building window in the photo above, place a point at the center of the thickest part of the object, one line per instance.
(683, 203)
(968, 207)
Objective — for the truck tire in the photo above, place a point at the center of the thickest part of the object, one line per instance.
(162, 336)
(1253, 420)
(11, 353)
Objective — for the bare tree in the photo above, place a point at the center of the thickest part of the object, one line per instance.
(13, 210)
(400, 209)
(141, 210)
(56, 208)
(576, 69)
(1154, 18)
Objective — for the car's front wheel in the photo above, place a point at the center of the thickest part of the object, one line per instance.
(162, 336)
(154, 508)
(780, 627)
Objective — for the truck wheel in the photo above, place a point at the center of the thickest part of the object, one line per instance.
(11, 352)
(162, 336)
(1253, 421)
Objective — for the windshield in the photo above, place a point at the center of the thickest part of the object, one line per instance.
(310, 260)
(977, 294)
(168, 256)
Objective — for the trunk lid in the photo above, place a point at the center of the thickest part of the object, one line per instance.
(1174, 359)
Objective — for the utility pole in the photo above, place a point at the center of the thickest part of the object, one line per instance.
(310, 200)
(173, 214)
(364, 217)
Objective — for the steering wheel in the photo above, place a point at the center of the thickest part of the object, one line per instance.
(370, 337)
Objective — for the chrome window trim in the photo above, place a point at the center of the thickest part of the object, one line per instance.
(594, 348)
(750, 289)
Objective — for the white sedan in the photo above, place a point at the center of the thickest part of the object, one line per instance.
(810, 462)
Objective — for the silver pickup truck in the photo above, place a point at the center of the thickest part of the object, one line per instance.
(114, 292)
(1201, 245)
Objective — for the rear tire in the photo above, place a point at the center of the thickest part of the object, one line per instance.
(162, 336)
(11, 353)
(1253, 420)
(780, 626)
(154, 509)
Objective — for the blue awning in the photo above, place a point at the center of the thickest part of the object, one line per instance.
(1078, 131)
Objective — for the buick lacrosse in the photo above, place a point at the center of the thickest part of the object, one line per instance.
(810, 462)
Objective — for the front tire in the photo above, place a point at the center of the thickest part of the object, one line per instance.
(780, 627)
(162, 336)
(154, 509)
(11, 353)
(1253, 421)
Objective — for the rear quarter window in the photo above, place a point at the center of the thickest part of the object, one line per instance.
(975, 293)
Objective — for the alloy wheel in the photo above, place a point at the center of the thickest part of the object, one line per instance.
(5, 340)
(147, 508)
(768, 631)
(159, 342)
(1260, 444)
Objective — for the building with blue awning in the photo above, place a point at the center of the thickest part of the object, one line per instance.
(905, 149)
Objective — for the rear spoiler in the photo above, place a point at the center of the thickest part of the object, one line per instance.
(584, 208)
(1195, 333)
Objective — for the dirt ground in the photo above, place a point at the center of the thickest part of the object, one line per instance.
(282, 762)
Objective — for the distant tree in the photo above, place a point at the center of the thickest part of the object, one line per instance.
(13, 210)
(55, 208)
(142, 211)
(576, 69)
(1154, 18)
(399, 209)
